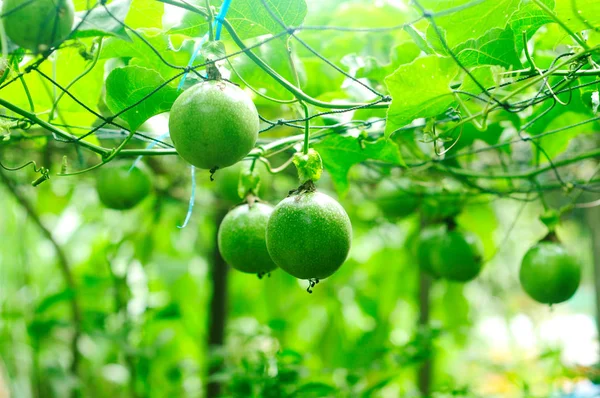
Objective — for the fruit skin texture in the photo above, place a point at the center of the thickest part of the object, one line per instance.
(120, 189)
(549, 274)
(241, 238)
(39, 25)
(309, 235)
(213, 124)
(449, 253)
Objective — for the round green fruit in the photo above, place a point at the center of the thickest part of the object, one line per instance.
(241, 238)
(549, 274)
(120, 187)
(455, 255)
(429, 239)
(394, 201)
(39, 24)
(309, 235)
(213, 124)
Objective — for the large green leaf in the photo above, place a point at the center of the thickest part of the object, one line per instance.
(529, 18)
(340, 153)
(140, 53)
(557, 143)
(579, 14)
(249, 18)
(105, 20)
(496, 47)
(419, 89)
(462, 20)
(131, 84)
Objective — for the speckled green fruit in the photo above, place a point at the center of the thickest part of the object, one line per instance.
(121, 189)
(309, 235)
(213, 124)
(241, 238)
(38, 25)
(456, 256)
(429, 239)
(549, 274)
(394, 201)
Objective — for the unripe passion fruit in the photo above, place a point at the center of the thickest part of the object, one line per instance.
(450, 253)
(309, 235)
(429, 239)
(241, 238)
(120, 187)
(393, 200)
(39, 24)
(549, 274)
(213, 124)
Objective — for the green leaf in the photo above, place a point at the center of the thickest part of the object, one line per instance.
(419, 89)
(248, 18)
(99, 22)
(496, 47)
(579, 15)
(275, 54)
(529, 18)
(131, 84)
(557, 143)
(145, 14)
(140, 53)
(340, 153)
(468, 19)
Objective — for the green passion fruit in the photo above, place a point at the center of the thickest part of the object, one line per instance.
(309, 235)
(549, 274)
(428, 241)
(120, 187)
(241, 238)
(449, 253)
(39, 24)
(394, 201)
(213, 124)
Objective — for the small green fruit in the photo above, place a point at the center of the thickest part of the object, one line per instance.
(449, 253)
(213, 124)
(119, 188)
(309, 235)
(241, 238)
(429, 239)
(549, 274)
(39, 24)
(395, 202)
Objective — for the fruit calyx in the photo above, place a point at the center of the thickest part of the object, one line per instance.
(308, 186)
(309, 165)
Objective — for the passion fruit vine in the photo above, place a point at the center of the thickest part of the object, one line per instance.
(213, 124)
(549, 274)
(38, 25)
(241, 238)
(309, 234)
(121, 187)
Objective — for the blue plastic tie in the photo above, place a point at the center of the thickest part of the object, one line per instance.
(217, 25)
(150, 146)
(192, 199)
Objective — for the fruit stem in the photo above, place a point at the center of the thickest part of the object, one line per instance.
(450, 223)
(551, 237)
